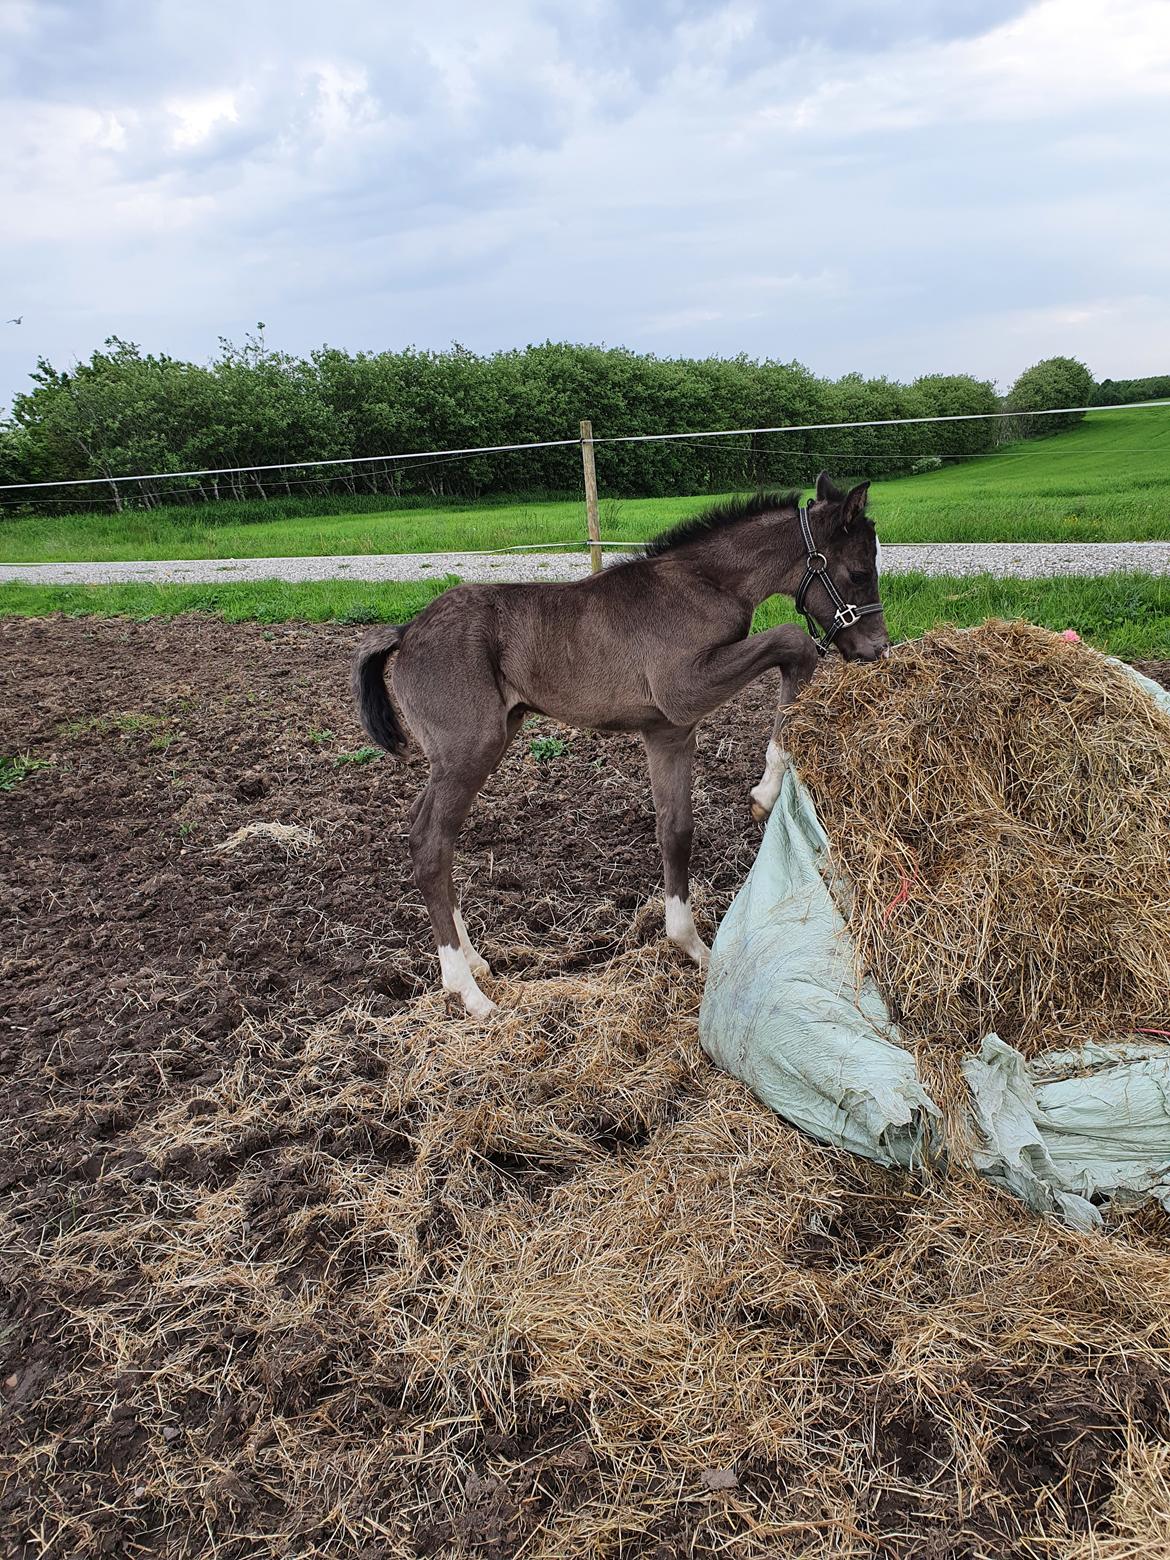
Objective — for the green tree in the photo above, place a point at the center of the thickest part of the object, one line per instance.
(126, 412)
(1055, 381)
(1122, 392)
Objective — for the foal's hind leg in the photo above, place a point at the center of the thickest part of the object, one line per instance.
(439, 816)
(456, 776)
(672, 754)
(476, 962)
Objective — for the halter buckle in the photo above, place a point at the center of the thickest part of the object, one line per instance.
(848, 615)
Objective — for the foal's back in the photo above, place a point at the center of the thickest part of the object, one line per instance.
(590, 652)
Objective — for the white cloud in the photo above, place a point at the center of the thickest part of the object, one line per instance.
(196, 117)
(1061, 56)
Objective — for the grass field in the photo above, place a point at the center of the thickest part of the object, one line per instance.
(1106, 480)
(1127, 615)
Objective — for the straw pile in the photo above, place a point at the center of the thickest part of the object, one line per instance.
(554, 1287)
(999, 801)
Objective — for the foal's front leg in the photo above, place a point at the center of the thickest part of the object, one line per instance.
(776, 758)
(672, 754)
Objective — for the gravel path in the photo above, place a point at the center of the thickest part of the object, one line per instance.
(1019, 560)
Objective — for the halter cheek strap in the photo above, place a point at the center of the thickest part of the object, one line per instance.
(816, 567)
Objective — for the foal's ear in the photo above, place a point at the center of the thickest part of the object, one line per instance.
(854, 505)
(827, 490)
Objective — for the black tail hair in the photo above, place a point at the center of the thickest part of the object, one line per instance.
(368, 682)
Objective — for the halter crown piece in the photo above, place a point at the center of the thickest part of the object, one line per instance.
(816, 566)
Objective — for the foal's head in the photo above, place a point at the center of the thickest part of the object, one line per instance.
(849, 545)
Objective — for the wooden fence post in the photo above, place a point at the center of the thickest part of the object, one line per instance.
(591, 515)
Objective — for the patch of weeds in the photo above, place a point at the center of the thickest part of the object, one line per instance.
(545, 749)
(162, 742)
(186, 830)
(128, 723)
(360, 612)
(362, 755)
(18, 767)
(268, 635)
(319, 738)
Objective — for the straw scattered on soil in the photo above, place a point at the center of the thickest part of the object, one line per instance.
(291, 836)
(380, 1285)
(410, 1286)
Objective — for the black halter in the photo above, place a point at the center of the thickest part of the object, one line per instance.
(817, 567)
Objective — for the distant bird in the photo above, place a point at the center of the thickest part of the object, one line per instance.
(16, 321)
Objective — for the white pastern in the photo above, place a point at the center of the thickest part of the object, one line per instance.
(680, 928)
(457, 977)
(764, 795)
(476, 962)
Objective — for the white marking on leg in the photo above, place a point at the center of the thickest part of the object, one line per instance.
(877, 557)
(476, 963)
(457, 977)
(680, 928)
(764, 795)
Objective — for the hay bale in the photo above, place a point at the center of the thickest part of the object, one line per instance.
(1000, 802)
(991, 811)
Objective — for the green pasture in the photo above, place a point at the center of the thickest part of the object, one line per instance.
(1108, 479)
(1125, 614)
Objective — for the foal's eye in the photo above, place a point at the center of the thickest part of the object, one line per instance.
(859, 576)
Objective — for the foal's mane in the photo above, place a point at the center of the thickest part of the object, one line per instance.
(718, 517)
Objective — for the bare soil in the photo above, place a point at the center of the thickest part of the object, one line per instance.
(140, 962)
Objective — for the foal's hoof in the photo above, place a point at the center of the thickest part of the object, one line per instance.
(478, 965)
(695, 949)
(760, 813)
(473, 1003)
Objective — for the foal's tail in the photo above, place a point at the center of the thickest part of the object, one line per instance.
(368, 683)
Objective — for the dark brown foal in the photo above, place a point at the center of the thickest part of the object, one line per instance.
(653, 645)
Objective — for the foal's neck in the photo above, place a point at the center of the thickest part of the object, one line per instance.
(766, 556)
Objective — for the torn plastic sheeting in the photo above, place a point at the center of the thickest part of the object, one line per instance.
(786, 1011)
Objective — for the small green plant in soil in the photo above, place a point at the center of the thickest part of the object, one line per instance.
(319, 738)
(545, 749)
(17, 767)
(362, 755)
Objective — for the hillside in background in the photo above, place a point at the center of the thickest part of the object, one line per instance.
(1106, 479)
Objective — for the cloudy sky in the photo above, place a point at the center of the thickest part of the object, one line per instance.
(895, 186)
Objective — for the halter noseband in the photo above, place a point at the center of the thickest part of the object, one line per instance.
(816, 566)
